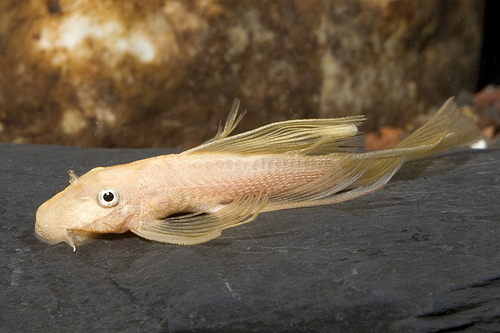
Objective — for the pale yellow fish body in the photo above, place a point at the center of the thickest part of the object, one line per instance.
(189, 198)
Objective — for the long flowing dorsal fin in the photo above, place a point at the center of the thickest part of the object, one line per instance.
(203, 225)
(305, 136)
(233, 119)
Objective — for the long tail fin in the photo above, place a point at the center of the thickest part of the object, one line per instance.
(448, 129)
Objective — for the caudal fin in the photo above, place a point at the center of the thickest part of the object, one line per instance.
(448, 129)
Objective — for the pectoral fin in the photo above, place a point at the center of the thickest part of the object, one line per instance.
(202, 226)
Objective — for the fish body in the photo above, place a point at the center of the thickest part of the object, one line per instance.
(189, 198)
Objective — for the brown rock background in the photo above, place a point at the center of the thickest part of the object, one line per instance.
(164, 72)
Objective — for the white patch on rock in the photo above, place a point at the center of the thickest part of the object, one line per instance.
(72, 33)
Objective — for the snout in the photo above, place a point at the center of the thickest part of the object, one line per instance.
(45, 228)
(53, 226)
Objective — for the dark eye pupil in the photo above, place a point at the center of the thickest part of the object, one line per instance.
(108, 196)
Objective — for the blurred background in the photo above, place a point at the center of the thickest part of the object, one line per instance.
(163, 73)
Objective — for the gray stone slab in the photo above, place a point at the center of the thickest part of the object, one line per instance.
(420, 255)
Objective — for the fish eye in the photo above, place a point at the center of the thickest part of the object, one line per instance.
(108, 198)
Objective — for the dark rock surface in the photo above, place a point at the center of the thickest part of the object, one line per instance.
(421, 255)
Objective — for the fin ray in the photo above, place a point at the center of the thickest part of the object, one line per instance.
(200, 226)
(447, 129)
(305, 136)
(233, 119)
(340, 196)
(339, 177)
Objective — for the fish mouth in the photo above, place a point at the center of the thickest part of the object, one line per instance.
(73, 237)
(50, 233)
(45, 236)
(52, 236)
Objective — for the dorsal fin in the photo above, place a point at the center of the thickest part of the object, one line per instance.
(305, 136)
(233, 119)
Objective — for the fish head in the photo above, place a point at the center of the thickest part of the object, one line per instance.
(92, 204)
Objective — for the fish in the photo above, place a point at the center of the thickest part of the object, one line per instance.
(190, 197)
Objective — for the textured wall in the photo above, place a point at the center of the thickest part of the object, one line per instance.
(163, 73)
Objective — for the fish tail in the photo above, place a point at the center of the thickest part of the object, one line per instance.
(448, 129)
